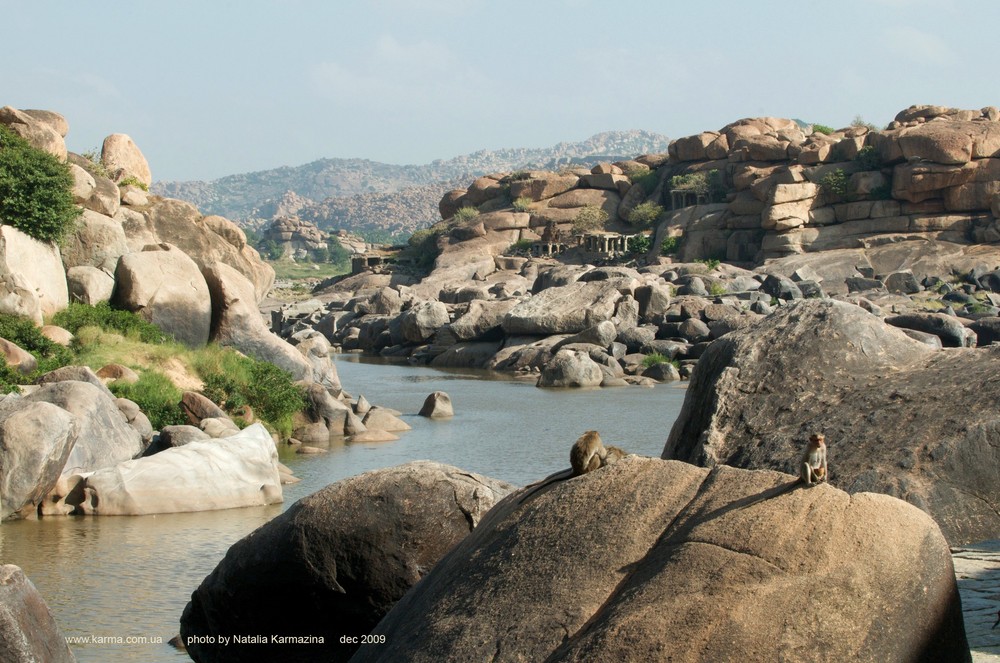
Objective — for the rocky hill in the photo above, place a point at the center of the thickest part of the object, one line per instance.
(360, 194)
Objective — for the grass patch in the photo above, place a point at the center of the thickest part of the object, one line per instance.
(108, 336)
(654, 359)
(293, 271)
(156, 396)
(522, 204)
(78, 316)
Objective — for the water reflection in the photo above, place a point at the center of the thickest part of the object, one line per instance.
(132, 576)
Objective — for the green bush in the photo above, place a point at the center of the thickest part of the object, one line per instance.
(703, 183)
(423, 245)
(126, 323)
(868, 158)
(835, 183)
(669, 245)
(716, 187)
(822, 129)
(156, 396)
(717, 289)
(639, 244)
(522, 204)
(883, 192)
(644, 215)
(23, 333)
(270, 391)
(520, 246)
(518, 175)
(97, 166)
(465, 214)
(589, 218)
(654, 359)
(36, 190)
(10, 378)
(859, 121)
(711, 263)
(132, 180)
(647, 179)
(697, 182)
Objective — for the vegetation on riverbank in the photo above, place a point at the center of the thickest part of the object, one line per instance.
(166, 368)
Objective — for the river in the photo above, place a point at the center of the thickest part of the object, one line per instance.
(117, 585)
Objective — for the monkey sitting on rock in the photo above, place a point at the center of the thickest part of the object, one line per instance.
(589, 453)
(812, 465)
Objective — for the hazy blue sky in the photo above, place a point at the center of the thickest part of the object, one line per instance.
(209, 88)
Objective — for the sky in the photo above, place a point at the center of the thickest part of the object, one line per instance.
(209, 88)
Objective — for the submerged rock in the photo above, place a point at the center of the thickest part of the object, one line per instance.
(437, 406)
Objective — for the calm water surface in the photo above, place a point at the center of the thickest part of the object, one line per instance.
(130, 577)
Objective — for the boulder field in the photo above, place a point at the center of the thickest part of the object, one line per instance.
(904, 217)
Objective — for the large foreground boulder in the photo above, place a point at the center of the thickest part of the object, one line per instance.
(651, 560)
(236, 471)
(35, 441)
(334, 563)
(900, 417)
(28, 633)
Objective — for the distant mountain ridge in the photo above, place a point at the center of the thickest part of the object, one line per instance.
(360, 194)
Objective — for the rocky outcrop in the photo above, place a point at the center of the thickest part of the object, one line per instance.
(646, 581)
(32, 278)
(236, 322)
(297, 238)
(42, 129)
(437, 406)
(225, 473)
(123, 159)
(97, 241)
(564, 310)
(28, 633)
(35, 442)
(163, 285)
(182, 225)
(103, 434)
(342, 566)
(900, 417)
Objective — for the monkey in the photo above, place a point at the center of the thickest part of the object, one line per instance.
(812, 465)
(587, 454)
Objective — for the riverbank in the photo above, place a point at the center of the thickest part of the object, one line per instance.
(157, 561)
